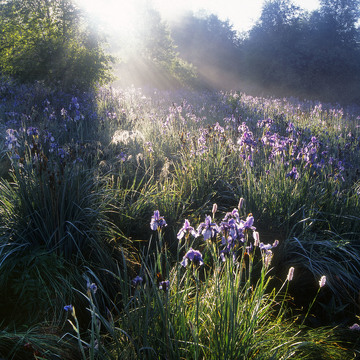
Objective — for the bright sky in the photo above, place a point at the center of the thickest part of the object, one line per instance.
(122, 14)
(241, 13)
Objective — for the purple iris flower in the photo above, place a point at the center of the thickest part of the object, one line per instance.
(208, 229)
(92, 287)
(11, 139)
(62, 153)
(249, 222)
(74, 103)
(122, 156)
(293, 174)
(137, 280)
(233, 214)
(355, 327)
(186, 229)
(194, 256)
(267, 247)
(164, 285)
(68, 308)
(268, 255)
(236, 230)
(32, 131)
(290, 127)
(157, 221)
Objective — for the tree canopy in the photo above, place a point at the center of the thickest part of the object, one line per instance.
(49, 40)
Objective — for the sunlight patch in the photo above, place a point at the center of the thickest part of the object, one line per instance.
(125, 137)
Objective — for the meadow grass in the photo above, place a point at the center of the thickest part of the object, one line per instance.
(81, 178)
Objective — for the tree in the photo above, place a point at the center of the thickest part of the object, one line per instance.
(315, 55)
(333, 50)
(340, 17)
(153, 59)
(50, 41)
(211, 44)
(271, 52)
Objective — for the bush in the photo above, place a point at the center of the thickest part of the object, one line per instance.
(50, 41)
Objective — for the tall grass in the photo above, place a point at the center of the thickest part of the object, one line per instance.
(219, 310)
(83, 174)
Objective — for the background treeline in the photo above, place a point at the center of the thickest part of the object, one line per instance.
(288, 52)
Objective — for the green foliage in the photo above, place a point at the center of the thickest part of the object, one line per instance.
(211, 45)
(57, 212)
(41, 341)
(50, 41)
(153, 59)
(220, 310)
(71, 208)
(37, 284)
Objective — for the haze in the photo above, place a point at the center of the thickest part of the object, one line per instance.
(123, 14)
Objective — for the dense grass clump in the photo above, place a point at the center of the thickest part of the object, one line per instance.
(97, 196)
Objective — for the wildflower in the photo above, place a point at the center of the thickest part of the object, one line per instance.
(293, 174)
(74, 103)
(77, 116)
(149, 147)
(137, 280)
(122, 156)
(194, 256)
(157, 221)
(164, 285)
(290, 274)
(48, 137)
(249, 222)
(186, 229)
(223, 253)
(322, 281)
(92, 287)
(62, 153)
(218, 128)
(266, 247)
(355, 327)
(11, 139)
(290, 127)
(236, 230)
(233, 214)
(32, 131)
(208, 229)
(69, 308)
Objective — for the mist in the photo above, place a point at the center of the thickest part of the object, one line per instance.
(288, 52)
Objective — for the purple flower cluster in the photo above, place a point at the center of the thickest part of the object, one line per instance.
(208, 228)
(232, 230)
(293, 174)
